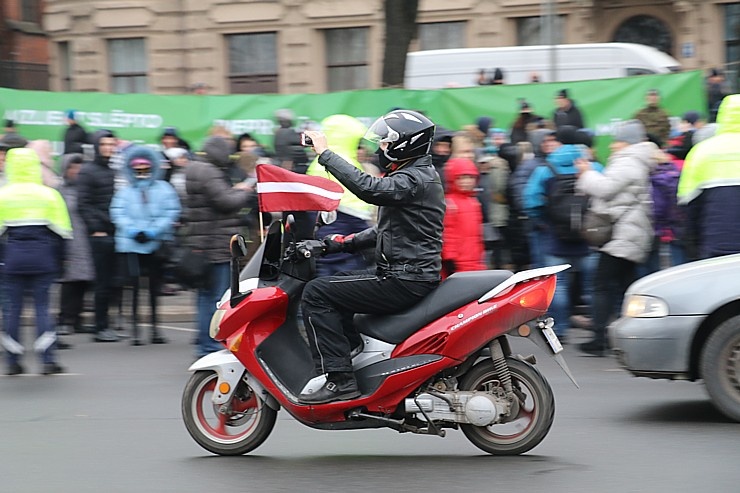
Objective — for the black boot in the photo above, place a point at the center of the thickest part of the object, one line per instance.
(338, 387)
(135, 340)
(158, 338)
(594, 347)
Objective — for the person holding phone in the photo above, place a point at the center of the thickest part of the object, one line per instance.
(407, 240)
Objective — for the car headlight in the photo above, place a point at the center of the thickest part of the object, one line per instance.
(215, 322)
(641, 306)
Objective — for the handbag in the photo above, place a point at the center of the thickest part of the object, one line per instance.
(190, 267)
(597, 228)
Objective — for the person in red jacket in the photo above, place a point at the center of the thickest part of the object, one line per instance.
(462, 238)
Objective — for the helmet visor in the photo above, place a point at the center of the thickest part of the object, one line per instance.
(381, 132)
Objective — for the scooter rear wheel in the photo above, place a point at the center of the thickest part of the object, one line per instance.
(242, 429)
(534, 417)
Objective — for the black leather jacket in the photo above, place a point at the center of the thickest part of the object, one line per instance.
(408, 237)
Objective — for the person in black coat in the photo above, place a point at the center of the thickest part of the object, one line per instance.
(95, 188)
(74, 136)
(566, 112)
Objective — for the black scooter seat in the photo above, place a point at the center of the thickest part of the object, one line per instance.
(457, 290)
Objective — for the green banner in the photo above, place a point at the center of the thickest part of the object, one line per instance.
(142, 117)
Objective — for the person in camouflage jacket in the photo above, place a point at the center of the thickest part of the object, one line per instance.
(654, 118)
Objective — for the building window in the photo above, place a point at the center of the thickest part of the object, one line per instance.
(532, 31)
(253, 63)
(441, 35)
(128, 65)
(646, 30)
(30, 11)
(65, 66)
(346, 55)
(732, 43)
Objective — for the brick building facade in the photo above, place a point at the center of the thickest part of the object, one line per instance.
(296, 46)
(24, 54)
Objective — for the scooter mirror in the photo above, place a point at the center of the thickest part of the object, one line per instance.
(289, 223)
(326, 217)
(238, 246)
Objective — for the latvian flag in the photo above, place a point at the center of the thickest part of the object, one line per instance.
(281, 190)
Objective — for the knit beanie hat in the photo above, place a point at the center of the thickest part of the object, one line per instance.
(175, 153)
(631, 132)
(218, 151)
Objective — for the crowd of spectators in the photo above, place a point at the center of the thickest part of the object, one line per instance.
(121, 209)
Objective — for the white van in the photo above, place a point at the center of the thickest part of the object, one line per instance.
(436, 69)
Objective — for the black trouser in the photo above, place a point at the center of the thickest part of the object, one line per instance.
(71, 302)
(329, 303)
(138, 265)
(104, 258)
(612, 278)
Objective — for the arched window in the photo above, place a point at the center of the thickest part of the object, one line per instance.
(646, 30)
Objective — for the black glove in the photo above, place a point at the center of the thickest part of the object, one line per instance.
(141, 237)
(448, 266)
(336, 243)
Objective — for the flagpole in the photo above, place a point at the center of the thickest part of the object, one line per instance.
(262, 228)
(259, 204)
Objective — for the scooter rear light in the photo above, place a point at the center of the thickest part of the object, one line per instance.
(533, 299)
(550, 286)
(540, 297)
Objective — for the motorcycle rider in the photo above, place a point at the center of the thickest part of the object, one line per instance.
(407, 239)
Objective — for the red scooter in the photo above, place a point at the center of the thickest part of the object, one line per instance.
(444, 363)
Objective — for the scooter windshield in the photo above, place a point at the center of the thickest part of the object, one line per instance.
(266, 260)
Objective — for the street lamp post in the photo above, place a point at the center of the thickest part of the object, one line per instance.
(548, 35)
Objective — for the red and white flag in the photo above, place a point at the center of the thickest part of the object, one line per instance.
(281, 190)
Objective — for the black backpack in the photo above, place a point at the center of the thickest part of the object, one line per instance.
(564, 207)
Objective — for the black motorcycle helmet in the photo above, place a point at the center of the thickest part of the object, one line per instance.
(408, 134)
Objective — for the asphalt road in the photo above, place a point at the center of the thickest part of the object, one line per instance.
(112, 424)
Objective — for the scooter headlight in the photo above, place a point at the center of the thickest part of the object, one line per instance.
(641, 306)
(216, 319)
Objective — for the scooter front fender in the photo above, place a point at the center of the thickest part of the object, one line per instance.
(230, 370)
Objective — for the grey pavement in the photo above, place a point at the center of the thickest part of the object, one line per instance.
(177, 308)
(113, 424)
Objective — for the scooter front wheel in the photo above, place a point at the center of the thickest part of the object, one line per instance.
(233, 429)
(533, 417)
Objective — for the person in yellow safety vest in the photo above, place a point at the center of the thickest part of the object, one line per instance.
(709, 187)
(34, 222)
(343, 134)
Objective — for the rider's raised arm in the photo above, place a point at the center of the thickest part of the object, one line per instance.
(392, 189)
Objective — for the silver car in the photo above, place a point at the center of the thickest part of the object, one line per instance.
(683, 323)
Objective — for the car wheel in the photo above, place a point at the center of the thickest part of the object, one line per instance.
(720, 367)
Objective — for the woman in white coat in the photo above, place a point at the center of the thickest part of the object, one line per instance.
(623, 192)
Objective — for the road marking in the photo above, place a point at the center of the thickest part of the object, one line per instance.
(40, 375)
(181, 329)
(170, 327)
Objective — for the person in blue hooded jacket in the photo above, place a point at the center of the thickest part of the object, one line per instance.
(144, 213)
(556, 251)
